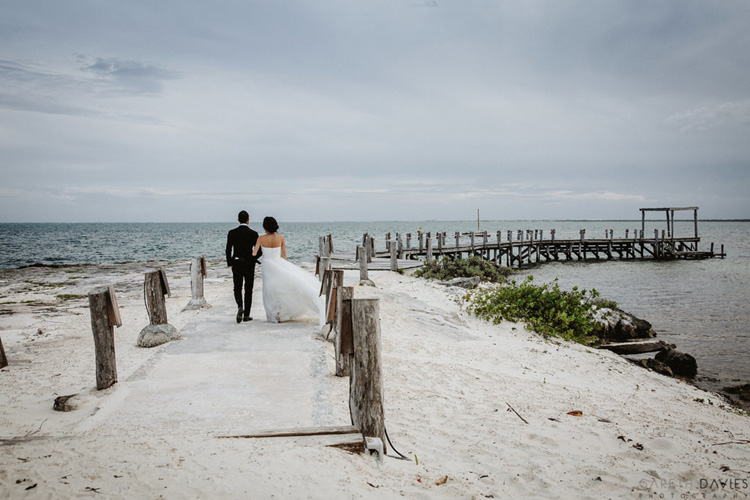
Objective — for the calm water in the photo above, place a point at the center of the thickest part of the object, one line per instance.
(698, 305)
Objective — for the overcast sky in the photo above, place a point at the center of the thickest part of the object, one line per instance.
(325, 110)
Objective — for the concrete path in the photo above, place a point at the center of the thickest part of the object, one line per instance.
(229, 378)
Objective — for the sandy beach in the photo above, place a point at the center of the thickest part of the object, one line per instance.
(479, 410)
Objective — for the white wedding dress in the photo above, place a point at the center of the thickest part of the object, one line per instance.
(289, 291)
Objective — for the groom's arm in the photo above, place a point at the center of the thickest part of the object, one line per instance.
(229, 249)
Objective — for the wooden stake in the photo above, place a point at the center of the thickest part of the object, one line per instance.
(365, 382)
(343, 325)
(104, 339)
(3, 358)
(155, 303)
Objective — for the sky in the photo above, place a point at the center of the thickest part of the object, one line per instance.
(327, 110)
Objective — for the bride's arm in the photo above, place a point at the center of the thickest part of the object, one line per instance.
(257, 246)
(283, 248)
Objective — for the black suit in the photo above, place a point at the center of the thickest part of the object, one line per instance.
(240, 243)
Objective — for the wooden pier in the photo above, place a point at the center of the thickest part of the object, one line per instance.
(516, 249)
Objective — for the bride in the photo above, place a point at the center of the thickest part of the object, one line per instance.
(288, 290)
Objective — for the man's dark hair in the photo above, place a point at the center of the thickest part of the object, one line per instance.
(243, 217)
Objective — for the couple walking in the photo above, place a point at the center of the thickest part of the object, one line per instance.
(288, 290)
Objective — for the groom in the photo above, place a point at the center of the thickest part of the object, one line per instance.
(240, 243)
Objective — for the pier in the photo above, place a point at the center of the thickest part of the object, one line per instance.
(519, 248)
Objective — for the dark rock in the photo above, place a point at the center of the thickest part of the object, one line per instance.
(682, 364)
(657, 366)
(65, 403)
(743, 391)
(617, 325)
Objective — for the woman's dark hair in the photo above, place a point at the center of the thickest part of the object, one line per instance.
(270, 224)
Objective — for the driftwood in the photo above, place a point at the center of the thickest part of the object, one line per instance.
(300, 431)
(637, 347)
(365, 382)
(104, 339)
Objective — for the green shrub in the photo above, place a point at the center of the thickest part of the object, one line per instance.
(545, 309)
(448, 269)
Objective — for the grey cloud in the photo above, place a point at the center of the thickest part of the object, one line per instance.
(130, 77)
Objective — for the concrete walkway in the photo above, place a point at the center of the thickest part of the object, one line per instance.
(229, 378)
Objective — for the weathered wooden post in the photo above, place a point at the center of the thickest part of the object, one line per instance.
(3, 358)
(337, 280)
(400, 244)
(428, 257)
(458, 239)
(393, 257)
(408, 240)
(105, 315)
(198, 271)
(388, 242)
(421, 241)
(440, 243)
(365, 381)
(583, 245)
(342, 341)
(361, 256)
(159, 331)
(325, 256)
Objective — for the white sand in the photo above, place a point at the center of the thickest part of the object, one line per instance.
(448, 380)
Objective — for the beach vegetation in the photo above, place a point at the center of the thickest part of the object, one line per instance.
(70, 296)
(46, 284)
(447, 269)
(546, 308)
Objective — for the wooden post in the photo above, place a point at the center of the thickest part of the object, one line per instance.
(197, 273)
(156, 306)
(440, 243)
(365, 382)
(394, 261)
(458, 238)
(400, 243)
(421, 241)
(3, 358)
(408, 241)
(343, 326)
(159, 330)
(428, 257)
(337, 280)
(104, 338)
(362, 259)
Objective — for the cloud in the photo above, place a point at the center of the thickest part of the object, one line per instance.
(128, 77)
(709, 117)
(41, 88)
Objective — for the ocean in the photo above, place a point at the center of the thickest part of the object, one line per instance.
(700, 306)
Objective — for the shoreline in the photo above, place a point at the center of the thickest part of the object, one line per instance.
(447, 378)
